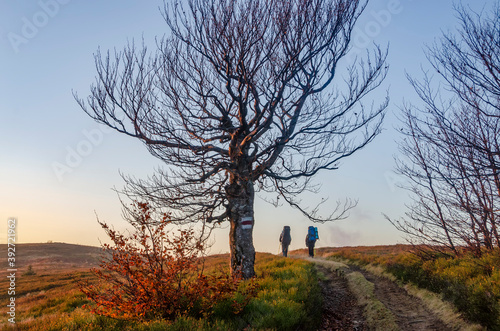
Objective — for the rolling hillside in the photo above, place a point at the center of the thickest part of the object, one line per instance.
(52, 256)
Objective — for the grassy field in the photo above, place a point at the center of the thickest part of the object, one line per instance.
(49, 299)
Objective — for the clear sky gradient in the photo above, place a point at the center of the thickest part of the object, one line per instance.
(58, 167)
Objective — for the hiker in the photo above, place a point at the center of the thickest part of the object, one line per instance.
(312, 236)
(285, 239)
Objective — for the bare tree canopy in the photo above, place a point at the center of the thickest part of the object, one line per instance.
(240, 94)
(452, 144)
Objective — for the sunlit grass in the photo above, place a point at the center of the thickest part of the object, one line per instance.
(45, 298)
(288, 299)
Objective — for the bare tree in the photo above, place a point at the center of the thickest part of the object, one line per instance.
(452, 151)
(239, 96)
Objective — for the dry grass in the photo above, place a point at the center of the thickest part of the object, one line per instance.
(51, 300)
(53, 256)
(445, 311)
(375, 259)
(377, 316)
(45, 297)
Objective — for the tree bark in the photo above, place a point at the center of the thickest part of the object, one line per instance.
(241, 203)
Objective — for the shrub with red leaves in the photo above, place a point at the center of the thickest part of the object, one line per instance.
(148, 274)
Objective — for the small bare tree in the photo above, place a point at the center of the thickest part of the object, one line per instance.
(240, 96)
(452, 150)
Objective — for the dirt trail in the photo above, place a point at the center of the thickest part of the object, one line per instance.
(342, 313)
(340, 309)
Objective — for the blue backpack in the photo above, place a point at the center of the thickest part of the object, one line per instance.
(313, 233)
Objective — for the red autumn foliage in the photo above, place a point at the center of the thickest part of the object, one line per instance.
(148, 274)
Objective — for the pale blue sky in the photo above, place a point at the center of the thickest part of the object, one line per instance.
(46, 51)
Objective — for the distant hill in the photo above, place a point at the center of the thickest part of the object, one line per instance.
(53, 256)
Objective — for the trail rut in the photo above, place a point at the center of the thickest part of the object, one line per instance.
(341, 311)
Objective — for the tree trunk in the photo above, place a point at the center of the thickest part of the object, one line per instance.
(241, 199)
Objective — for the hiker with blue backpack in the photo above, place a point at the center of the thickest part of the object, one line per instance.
(312, 236)
(285, 240)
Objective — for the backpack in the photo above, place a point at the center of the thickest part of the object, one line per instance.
(313, 233)
(286, 238)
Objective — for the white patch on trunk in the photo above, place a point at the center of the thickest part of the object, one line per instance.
(246, 222)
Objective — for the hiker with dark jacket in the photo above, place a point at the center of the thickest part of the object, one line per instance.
(312, 236)
(285, 239)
